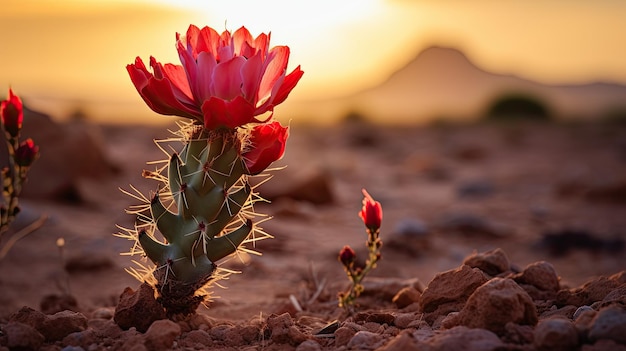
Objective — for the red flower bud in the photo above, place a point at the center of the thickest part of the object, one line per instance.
(267, 144)
(347, 255)
(26, 153)
(371, 213)
(12, 114)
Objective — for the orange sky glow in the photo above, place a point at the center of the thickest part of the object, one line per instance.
(62, 55)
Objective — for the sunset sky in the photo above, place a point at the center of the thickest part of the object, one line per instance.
(66, 54)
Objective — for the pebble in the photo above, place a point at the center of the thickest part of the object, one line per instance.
(161, 335)
(609, 323)
(556, 334)
(20, 336)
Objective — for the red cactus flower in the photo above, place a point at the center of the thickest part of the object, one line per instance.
(267, 144)
(225, 80)
(347, 255)
(26, 153)
(371, 213)
(12, 114)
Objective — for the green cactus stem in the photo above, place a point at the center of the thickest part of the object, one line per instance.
(199, 213)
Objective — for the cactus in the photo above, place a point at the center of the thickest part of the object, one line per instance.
(203, 210)
(204, 207)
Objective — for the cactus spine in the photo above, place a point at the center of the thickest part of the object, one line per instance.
(203, 213)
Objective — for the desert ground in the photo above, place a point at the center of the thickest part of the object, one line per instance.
(553, 192)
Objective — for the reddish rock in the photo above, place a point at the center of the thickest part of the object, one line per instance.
(463, 338)
(406, 296)
(161, 335)
(492, 262)
(364, 340)
(61, 324)
(495, 304)
(138, 308)
(20, 336)
(592, 291)
(403, 342)
(609, 323)
(283, 330)
(541, 275)
(196, 339)
(448, 291)
(556, 334)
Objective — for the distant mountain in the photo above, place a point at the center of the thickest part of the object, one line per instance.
(442, 82)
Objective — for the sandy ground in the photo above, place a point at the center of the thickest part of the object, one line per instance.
(514, 183)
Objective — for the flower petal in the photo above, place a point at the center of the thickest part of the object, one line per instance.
(229, 114)
(227, 80)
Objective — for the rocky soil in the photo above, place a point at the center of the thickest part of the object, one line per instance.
(496, 237)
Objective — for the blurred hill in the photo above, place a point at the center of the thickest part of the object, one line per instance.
(442, 83)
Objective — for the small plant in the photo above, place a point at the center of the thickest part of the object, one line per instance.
(372, 215)
(22, 154)
(203, 209)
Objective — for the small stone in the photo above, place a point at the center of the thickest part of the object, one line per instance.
(541, 275)
(406, 296)
(375, 317)
(61, 324)
(403, 320)
(492, 262)
(604, 345)
(283, 330)
(556, 334)
(20, 336)
(197, 339)
(309, 345)
(448, 291)
(343, 335)
(609, 323)
(493, 305)
(463, 338)
(592, 291)
(364, 340)
(161, 334)
(403, 342)
(580, 310)
(138, 308)
(103, 313)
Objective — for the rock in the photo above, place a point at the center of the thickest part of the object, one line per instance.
(161, 334)
(374, 317)
(364, 340)
(20, 336)
(283, 330)
(541, 275)
(402, 342)
(344, 333)
(81, 339)
(580, 310)
(103, 313)
(198, 339)
(615, 297)
(52, 327)
(386, 288)
(492, 262)
(463, 338)
(448, 291)
(560, 242)
(309, 345)
(61, 324)
(604, 345)
(609, 323)
(555, 334)
(404, 320)
(493, 305)
(406, 296)
(138, 308)
(592, 291)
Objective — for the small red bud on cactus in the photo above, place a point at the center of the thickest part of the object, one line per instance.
(347, 255)
(371, 213)
(12, 114)
(267, 145)
(26, 153)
